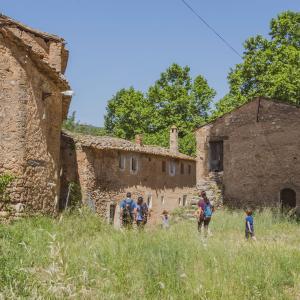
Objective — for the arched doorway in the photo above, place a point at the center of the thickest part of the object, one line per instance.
(288, 199)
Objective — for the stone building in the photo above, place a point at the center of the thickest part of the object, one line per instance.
(106, 168)
(252, 154)
(33, 103)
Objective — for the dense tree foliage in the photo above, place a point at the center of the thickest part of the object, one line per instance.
(174, 99)
(270, 67)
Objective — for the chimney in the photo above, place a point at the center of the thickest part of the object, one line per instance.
(139, 140)
(174, 139)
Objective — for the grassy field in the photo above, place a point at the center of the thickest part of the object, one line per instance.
(79, 257)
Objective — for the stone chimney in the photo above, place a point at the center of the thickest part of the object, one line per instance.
(174, 139)
(55, 52)
(139, 140)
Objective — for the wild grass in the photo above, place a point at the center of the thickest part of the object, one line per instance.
(81, 257)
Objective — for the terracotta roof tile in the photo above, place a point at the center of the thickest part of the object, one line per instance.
(106, 143)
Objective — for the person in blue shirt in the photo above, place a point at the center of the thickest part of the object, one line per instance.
(141, 213)
(127, 211)
(249, 222)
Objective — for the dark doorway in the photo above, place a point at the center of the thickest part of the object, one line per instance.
(216, 156)
(288, 199)
(112, 210)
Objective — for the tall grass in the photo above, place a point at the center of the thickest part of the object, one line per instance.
(80, 257)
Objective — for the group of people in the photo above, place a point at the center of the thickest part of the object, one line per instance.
(138, 213)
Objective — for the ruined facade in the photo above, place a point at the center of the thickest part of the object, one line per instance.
(253, 153)
(106, 168)
(32, 109)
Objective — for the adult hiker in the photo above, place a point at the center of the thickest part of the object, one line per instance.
(142, 213)
(206, 209)
(127, 211)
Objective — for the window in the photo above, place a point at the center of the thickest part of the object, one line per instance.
(216, 156)
(149, 158)
(172, 168)
(184, 200)
(122, 162)
(179, 201)
(163, 166)
(149, 201)
(182, 168)
(189, 169)
(133, 165)
(162, 200)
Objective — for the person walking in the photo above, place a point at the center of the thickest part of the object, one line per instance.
(207, 211)
(127, 212)
(249, 231)
(142, 213)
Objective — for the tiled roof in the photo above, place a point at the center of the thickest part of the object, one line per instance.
(112, 143)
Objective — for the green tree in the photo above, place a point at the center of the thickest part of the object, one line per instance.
(174, 99)
(270, 67)
(127, 114)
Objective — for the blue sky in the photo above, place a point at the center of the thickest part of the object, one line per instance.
(116, 44)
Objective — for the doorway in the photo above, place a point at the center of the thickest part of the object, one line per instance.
(287, 199)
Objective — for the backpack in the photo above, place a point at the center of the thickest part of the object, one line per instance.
(127, 214)
(207, 210)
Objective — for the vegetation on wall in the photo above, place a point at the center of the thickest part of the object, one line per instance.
(5, 180)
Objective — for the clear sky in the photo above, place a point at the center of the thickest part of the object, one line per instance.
(116, 44)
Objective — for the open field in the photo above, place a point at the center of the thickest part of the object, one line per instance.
(78, 257)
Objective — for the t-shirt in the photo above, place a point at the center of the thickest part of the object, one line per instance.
(250, 220)
(129, 202)
(140, 215)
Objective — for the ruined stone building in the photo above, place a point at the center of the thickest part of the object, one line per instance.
(33, 104)
(106, 168)
(252, 154)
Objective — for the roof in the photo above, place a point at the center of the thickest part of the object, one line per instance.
(113, 143)
(246, 103)
(4, 20)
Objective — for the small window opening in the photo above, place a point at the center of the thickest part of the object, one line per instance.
(216, 156)
(163, 166)
(189, 169)
(172, 168)
(149, 159)
(288, 199)
(122, 162)
(182, 168)
(184, 200)
(134, 165)
(179, 201)
(162, 200)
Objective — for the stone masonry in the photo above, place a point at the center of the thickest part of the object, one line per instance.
(32, 108)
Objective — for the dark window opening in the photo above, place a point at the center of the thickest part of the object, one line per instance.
(149, 158)
(163, 166)
(112, 210)
(216, 156)
(288, 199)
(189, 169)
(121, 162)
(134, 165)
(184, 200)
(182, 168)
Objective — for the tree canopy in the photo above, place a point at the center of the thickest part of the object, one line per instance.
(174, 99)
(270, 67)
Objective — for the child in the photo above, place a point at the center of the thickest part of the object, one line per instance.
(249, 232)
(165, 219)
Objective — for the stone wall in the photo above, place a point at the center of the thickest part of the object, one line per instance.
(30, 126)
(102, 180)
(261, 152)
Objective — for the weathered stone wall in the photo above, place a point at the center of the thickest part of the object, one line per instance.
(102, 180)
(31, 119)
(261, 152)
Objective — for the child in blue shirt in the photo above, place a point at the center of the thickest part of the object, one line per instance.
(249, 231)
